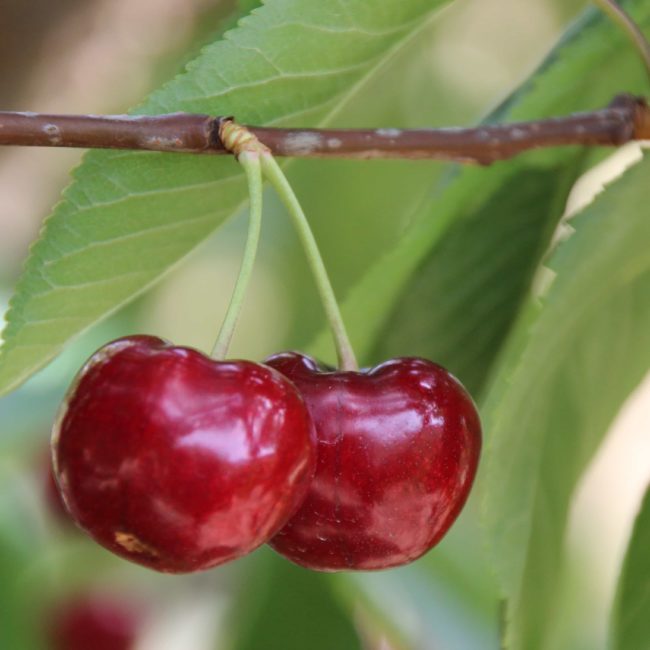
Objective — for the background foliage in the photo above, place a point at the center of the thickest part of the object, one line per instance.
(545, 319)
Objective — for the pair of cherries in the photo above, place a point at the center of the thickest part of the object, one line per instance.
(179, 462)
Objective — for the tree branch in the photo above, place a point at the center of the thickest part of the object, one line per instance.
(627, 118)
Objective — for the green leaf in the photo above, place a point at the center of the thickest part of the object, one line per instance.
(631, 623)
(446, 599)
(129, 216)
(466, 256)
(21, 540)
(359, 209)
(462, 300)
(246, 6)
(572, 359)
(285, 607)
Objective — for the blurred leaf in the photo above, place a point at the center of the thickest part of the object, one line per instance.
(17, 629)
(358, 208)
(453, 281)
(285, 607)
(429, 614)
(132, 215)
(631, 623)
(21, 541)
(569, 364)
(246, 6)
(27, 414)
(462, 300)
(459, 564)
(447, 599)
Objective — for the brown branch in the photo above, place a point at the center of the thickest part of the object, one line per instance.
(627, 118)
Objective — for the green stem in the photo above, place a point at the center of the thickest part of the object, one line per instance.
(273, 172)
(250, 161)
(620, 17)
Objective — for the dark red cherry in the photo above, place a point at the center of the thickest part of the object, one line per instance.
(94, 622)
(51, 493)
(179, 462)
(398, 448)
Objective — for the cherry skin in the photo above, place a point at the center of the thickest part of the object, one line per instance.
(398, 449)
(93, 622)
(51, 494)
(179, 462)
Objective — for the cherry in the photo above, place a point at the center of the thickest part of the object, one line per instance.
(398, 448)
(93, 622)
(179, 462)
(51, 494)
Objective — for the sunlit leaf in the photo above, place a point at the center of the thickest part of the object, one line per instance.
(453, 282)
(631, 623)
(131, 216)
(572, 359)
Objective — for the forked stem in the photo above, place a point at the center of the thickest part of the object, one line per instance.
(250, 161)
(345, 353)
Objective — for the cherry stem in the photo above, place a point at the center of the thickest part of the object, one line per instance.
(345, 353)
(250, 161)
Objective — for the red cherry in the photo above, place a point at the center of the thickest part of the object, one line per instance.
(93, 622)
(179, 462)
(398, 448)
(52, 495)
